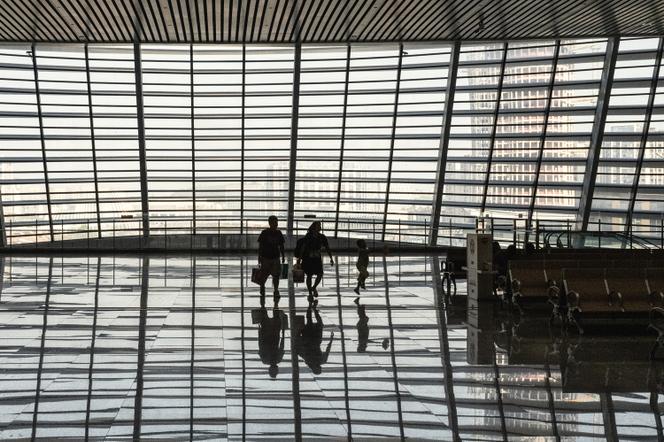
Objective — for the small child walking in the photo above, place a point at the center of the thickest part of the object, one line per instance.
(362, 264)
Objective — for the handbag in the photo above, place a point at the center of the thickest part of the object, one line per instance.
(257, 315)
(298, 273)
(284, 271)
(259, 275)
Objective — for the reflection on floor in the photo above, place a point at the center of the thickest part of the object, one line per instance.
(179, 348)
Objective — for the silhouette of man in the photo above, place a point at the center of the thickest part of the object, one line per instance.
(270, 246)
(271, 340)
(309, 340)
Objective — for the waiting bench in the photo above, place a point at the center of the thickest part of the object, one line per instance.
(610, 293)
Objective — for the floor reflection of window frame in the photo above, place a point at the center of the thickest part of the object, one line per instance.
(445, 348)
(297, 410)
(654, 405)
(93, 338)
(395, 373)
(35, 411)
(2, 274)
(140, 360)
(242, 349)
(193, 347)
(343, 353)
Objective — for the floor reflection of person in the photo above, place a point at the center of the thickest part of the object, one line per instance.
(309, 340)
(271, 340)
(363, 329)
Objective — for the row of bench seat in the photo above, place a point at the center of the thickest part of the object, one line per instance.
(578, 289)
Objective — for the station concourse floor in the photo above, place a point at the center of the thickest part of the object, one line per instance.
(178, 348)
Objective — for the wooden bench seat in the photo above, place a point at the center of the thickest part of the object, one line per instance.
(629, 285)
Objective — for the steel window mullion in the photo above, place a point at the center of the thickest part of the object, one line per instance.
(392, 138)
(193, 143)
(342, 140)
(47, 188)
(141, 134)
(444, 142)
(644, 136)
(242, 133)
(295, 112)
(542, 141)
(92, 140)
(594, 151)
(496, 114)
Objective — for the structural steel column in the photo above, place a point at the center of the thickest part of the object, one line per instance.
(242, 129)
(494, 128)
(644, 136)
(47, 187)
(592, 163)
(542, 140)
(392, 139)
(294, 131)
(342, 142)
(444, 143)
(92, 141)
(140, 118)
(193, 143)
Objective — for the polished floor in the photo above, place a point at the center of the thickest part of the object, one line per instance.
(117, 348)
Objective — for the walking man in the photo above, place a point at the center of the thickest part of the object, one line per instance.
(270, 246)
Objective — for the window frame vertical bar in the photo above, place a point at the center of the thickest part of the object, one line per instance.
(47, 187)
(342, 143)
(93, 143)
(295, 112)
(242, 135)
(443, 146)
(597, 136)
(193, 132)
(494, 128)
(644, 136)
(542, 140)
(140, 119)
(392, 138)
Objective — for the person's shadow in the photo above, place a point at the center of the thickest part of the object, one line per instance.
(271, 337)
(309, 340)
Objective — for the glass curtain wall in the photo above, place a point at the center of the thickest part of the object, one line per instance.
(219, 118)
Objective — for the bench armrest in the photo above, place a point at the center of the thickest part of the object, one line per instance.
(516, 285)
(573, 299)
(616, 296)
(554, 293)
(656, 314)
(656, 297)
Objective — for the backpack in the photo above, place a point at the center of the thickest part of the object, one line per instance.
(299, 247)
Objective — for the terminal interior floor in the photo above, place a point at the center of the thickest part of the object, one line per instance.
(179, 348)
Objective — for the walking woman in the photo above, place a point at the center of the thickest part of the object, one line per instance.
(312, 263)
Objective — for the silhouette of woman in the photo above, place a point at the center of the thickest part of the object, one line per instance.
(311, 260)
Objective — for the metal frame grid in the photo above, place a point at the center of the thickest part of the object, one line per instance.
(408, 141)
